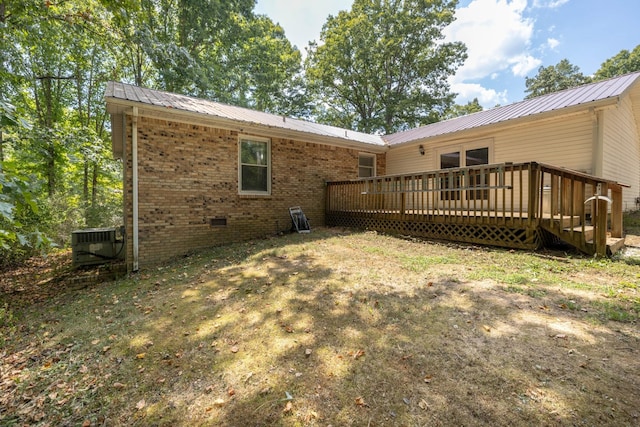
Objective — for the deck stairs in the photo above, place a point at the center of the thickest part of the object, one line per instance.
(570, 230)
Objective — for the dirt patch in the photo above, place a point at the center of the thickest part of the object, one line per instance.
(334, 328)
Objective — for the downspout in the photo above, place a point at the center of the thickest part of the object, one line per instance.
(134, 177)
(125, 177)
(598, 144)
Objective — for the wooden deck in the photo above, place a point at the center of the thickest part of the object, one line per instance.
(523, 206)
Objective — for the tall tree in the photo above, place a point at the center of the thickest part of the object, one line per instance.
(383, 67)
(214, 49)
(59, 60)
(622, 63)
(266, 70)
(458, 110)
(554, 78)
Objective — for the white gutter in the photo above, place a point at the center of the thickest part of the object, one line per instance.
(134, 176)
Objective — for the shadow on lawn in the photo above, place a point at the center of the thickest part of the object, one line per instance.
(272, 333)
(439, 353)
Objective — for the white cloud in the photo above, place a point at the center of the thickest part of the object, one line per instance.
(523, 64)
(488, 98)
(549, 4)
(497, 36)
(553, 43)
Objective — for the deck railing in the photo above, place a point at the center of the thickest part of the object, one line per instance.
(581, 205)
(527, 196)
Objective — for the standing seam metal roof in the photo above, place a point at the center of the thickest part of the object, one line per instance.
(594, 92)
(599, 91)
(184, 103)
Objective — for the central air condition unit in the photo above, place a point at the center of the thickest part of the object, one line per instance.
(97, 245)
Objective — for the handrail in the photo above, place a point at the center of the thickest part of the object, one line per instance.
(532, 195)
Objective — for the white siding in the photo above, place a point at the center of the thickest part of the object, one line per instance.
(565, 142)
(621, 157)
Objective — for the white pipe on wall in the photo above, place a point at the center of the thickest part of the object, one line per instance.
(134, 177)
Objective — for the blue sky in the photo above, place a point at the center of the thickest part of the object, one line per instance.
(507, 40)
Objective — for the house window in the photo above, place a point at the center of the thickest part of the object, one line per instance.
(478, 156)
(475, 178)
(450, 161)
(254, 171)
(366, 165)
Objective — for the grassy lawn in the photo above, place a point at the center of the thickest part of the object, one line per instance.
(335, 327)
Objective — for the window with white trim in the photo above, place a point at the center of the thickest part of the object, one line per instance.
(254, 170)
(476, 180)
(366, 165)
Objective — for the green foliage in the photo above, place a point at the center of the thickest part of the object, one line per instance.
(382, 66)
(20, 216)
(622, 63)
(616, 311)
(423, 263)
(7, 323)
(554, 78)
(463, 110)
(217, 50)
(631, 222)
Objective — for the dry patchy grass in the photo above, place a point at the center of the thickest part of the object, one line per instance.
(333, 328)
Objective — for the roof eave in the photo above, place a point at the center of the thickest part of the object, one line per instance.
(120, 106)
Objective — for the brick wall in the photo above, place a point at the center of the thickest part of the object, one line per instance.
(188, 174)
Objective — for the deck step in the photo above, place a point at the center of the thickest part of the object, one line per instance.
(614, 244)
(588, 231)
(564, 222)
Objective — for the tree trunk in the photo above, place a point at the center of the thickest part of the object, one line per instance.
(94, 184)
(51, 168)
(85, 184)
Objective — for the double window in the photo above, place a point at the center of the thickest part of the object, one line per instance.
(476, 180)
(254, 171)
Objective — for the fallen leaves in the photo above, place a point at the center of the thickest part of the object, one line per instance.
(423, 405)
(361, 402)
(356, 354)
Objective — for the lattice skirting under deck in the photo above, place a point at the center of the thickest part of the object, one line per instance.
(484, 234)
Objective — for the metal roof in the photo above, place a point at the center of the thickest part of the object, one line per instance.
(610, 89)
(156, 98)
(607, 91)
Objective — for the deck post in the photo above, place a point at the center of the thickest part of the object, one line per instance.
(601, 222)
(534, 191)
(616, 211)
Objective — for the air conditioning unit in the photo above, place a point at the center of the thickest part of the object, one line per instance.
(97, 245)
